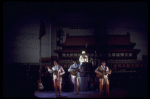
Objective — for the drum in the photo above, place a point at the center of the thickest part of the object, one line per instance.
(85, 70)
(84, 76)
(83, 83)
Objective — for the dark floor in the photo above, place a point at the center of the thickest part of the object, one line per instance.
(18, 85)
(116, 93)
(131, 91)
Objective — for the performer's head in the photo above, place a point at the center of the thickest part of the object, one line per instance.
(103, 63)
(74, 60)
(56, 62)
(83, 52)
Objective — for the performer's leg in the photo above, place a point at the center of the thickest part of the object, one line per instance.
(107, 86)
(78, 85)
(75, 84)
(72, 79)
(101, 86)
(55, 86)
(59, 85)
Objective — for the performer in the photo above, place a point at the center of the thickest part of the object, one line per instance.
(57, 71)
(102, 73)
(83, 58)
(74, 70)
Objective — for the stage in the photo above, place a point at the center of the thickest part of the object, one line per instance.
(115, 93)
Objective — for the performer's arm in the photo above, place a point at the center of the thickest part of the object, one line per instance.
(70, 69)
(108, 71)
(80, 68)
(49, 70)
(80, 58)
(87, 58)
(63, 72)
(96, 71)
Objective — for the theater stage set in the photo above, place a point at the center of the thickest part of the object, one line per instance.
(68, 32)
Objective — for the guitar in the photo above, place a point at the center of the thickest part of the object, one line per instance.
(55, 72)
(102, 75)
(40, 85)
(75, 71)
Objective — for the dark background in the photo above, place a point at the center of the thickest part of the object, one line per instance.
(119, 16)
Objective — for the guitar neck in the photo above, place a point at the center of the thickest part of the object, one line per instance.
(102, 74)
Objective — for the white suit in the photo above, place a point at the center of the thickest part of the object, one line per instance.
(75, 78)
(59, 69)
(83, 58)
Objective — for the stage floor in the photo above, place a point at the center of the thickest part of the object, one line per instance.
(116, 93)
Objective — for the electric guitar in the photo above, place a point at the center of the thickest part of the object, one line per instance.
(40, 85)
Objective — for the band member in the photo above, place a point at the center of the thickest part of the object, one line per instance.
(83, 58)
(102, 73)
(74, 70)
(57, 71)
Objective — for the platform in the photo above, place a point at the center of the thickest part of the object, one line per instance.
(116, 93)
